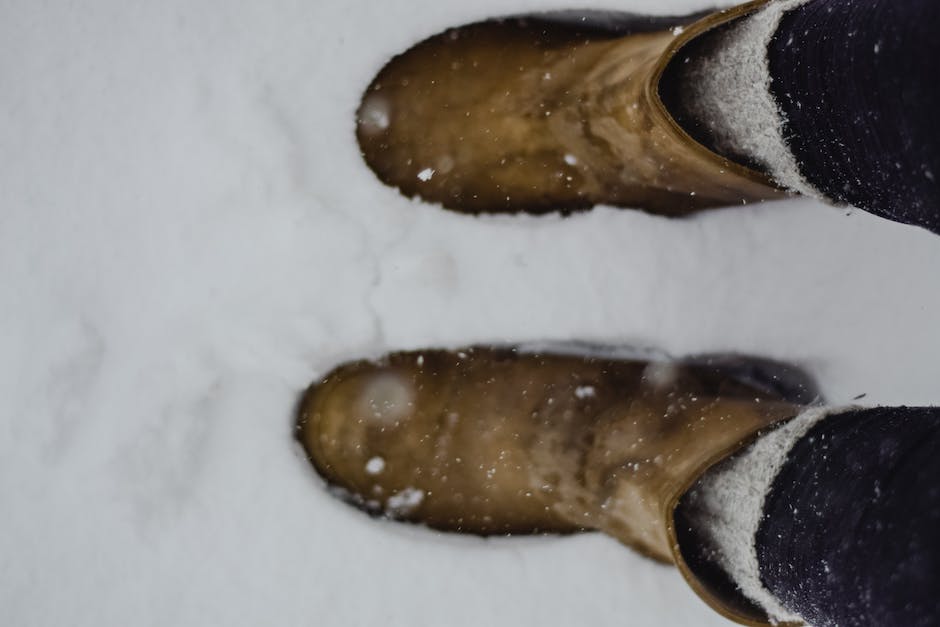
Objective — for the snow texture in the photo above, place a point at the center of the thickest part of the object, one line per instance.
(189, 237)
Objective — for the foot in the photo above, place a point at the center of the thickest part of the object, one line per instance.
(546, 113)
(495, 441)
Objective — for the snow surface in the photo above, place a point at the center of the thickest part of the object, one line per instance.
(188, 237)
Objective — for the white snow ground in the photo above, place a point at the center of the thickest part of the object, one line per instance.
(188, 237)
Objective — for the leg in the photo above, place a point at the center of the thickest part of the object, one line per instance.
(834, 98)
(844, 530)
(851, 534)
(857, 85)
(831, 516)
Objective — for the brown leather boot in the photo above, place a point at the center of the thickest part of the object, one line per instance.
(500, 441)
(548, 112)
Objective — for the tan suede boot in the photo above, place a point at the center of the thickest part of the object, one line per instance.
(544, 113)
(498, 441)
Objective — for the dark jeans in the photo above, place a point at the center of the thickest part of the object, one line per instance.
(859, 82)
(851, 533)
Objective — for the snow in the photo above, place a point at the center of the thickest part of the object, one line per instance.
(405, 501)
(387, 398)
(584, 391)
(375, 465)
(426, 174)
(189, 237)
(374, 114)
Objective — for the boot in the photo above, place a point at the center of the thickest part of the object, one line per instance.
(502, 441)
(557, 111)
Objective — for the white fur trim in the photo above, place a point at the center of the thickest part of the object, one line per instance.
(728, 504)
(731, 94)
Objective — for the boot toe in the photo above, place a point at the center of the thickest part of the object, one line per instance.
(357, 426)
(398, 438)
